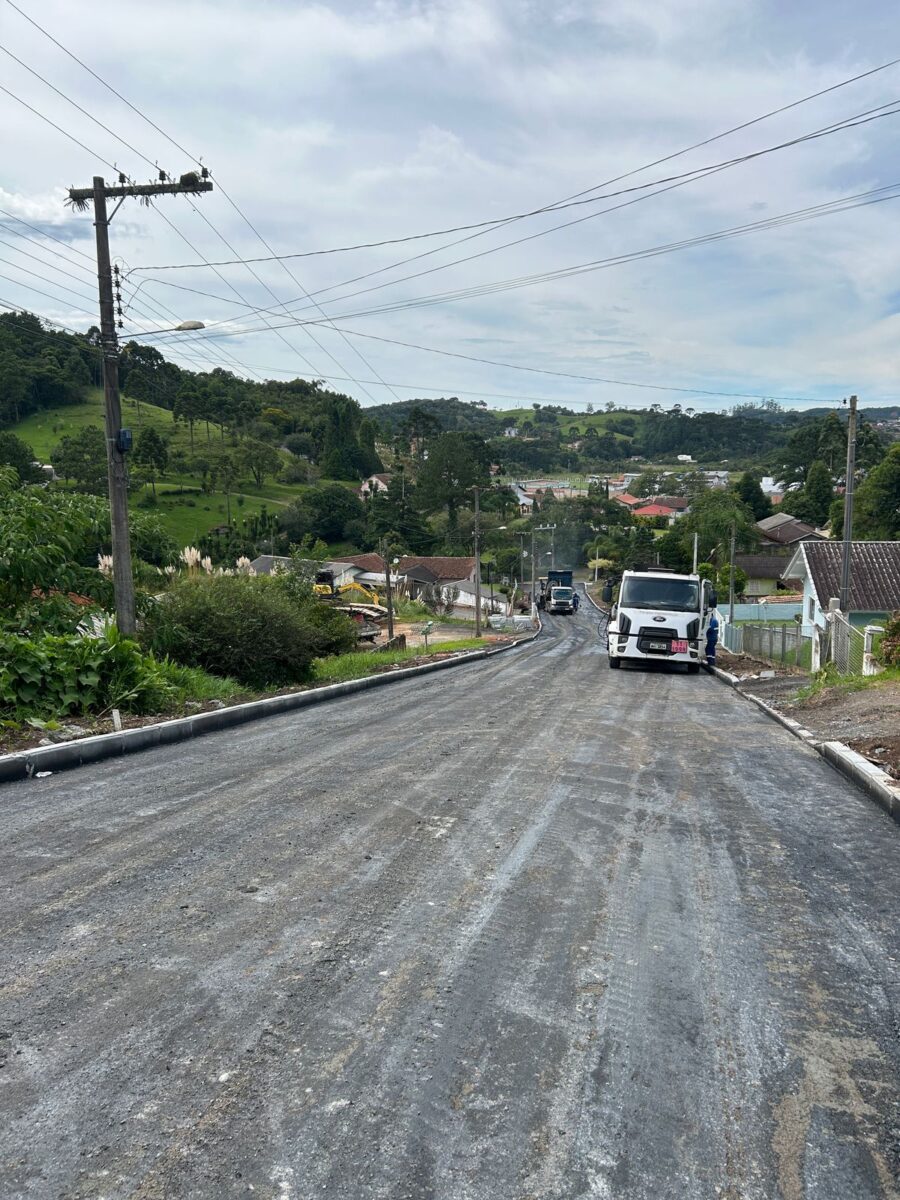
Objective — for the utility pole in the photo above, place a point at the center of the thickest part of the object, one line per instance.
(552, 547)
(476, 535)
(533, 572)
(731, 578)
(389, 596)
(696, 542)
(118, 440)
(848, 509)
(521, 537)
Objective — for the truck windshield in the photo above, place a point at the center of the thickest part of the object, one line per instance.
(562, 593)
(670, 595)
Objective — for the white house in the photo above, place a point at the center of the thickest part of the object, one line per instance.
(874, 579)
(375, 483)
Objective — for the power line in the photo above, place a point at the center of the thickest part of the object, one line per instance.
(552, 207)
(656, 387)
(811, 212)
(514, 398)
(676, 182)
(59, 128)
(46, 236)
(292, 276)
(74, 104)
(202, 215)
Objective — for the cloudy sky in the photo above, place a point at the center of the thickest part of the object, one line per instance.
(334, 124)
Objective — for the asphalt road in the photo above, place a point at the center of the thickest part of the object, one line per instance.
(527, 928)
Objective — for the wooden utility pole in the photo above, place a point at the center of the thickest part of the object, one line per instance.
(118, 440)
(848, 509)
(476, 538)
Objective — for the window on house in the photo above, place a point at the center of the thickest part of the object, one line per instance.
(812, 608)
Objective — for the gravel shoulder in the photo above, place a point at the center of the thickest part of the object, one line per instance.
(867, 720)
(528, 928)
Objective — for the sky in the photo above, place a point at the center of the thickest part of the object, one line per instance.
(329, 125)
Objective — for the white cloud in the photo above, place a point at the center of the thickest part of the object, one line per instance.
(343, 122)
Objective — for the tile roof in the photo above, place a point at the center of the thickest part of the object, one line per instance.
(874, 573)
(653, 510)
(679, 503)
(373, 563)
(626, 498)
(786, 530)
(445, 569)
(762, 566)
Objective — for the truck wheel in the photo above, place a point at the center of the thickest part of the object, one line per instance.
(614, 663)
(693, 668)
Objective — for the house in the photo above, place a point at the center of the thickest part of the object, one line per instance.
(375, 483)
(764, 573)
(442, 569)
(874, 579)
(511, 431)
(463, 594)
(654, 510)
(680, 504)
(781, 529)
(628, 500)
(368, 568)
(268, 564)
(526, 502)
(684, 458)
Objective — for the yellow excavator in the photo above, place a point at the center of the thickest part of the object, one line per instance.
(350, 591)
(367, 613)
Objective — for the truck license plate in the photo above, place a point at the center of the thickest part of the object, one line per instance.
(658, 646)
(679, 647)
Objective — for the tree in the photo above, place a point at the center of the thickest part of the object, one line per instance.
(332, 513)
(224, 472)
(456, 463)
(81, 457)
(712, 517)
(724, 580)
(648, 483)
(18, 454)
(260, 458)
(749, 491)
(876, 513)
(813, 502)
(188, 408)
(150, 451)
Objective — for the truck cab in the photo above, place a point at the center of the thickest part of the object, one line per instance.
(660, 615)
(559, 593)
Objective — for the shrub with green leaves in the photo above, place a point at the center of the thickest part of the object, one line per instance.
(51, 675)
(889, 647)
(239, 626)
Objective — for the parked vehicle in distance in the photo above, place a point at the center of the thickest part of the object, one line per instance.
(659, 615)
(560, 595)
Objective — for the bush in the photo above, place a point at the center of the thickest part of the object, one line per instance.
(243, 627)
(889, 646)
(52, 675)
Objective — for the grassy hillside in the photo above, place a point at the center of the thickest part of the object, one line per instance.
(186, 511)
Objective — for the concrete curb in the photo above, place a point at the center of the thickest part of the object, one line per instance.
(877, 784)
(81, 751)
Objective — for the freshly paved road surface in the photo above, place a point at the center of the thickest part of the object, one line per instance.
(527, 928)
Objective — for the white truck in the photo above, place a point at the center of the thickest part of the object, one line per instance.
(660, 615)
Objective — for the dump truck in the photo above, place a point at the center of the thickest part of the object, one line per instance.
(560, 595)
(660, 615)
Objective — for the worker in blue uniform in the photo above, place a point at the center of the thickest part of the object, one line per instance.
(712, 637)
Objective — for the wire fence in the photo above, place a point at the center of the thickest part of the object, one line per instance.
(840, 642)
(846, 647)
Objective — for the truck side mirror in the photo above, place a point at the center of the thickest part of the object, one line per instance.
(606, 594)
(713, 600)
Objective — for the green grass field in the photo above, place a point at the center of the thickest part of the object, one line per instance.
(185, 510)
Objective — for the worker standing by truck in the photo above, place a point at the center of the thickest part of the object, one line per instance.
(712, 637)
